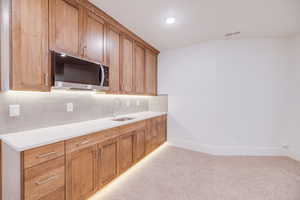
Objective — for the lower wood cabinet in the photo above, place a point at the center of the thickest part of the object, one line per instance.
(126, 151)
(162, 130)
(140, 143)
(77, 168)
(152, 135)
(81, 173)
(45, 181)
(107, 161)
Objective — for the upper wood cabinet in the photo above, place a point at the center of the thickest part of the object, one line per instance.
(79, 29)
(94, 38)
(127, 67)
(113, 49)
(30, 57)
(139, 68)
(81, 173)
(66, 24)
(107, 161)
(151, 73)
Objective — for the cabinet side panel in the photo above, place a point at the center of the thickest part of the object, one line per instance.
(11, 173)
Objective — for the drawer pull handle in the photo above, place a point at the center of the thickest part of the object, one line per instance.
(82, 143)
(46, 154)
(46, 180)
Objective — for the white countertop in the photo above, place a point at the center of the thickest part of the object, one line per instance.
(25, 140)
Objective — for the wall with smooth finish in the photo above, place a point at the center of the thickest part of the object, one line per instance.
(4, 44)
(290, 130)
(227, 96)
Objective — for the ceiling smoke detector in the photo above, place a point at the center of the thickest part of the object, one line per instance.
(232, 34)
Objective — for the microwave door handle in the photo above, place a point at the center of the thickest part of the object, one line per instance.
(102, 77)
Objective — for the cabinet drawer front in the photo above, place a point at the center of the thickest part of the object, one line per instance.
(59, 194)
(39, 155)
(88, 140)
(133, 127)
(45, 180)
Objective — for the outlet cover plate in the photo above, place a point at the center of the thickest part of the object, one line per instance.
(14, 110)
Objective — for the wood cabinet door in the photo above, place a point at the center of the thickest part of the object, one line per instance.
(127, 68)
(113, 49)
(148, 137)
(154, 134)
(139, 68)
(66, 24)
(30, 56)
(140, 144)
(126, 151)
(107, 161)
(151, 73)
(81, 173)
(94, 38)
(162, 132)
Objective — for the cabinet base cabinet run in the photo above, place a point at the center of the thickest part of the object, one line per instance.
(77, 168)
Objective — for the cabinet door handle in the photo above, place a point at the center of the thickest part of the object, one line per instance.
(82, 143)
(84, 50)
(46, 79)
(42, 182)
(99, 154)
(46, 154)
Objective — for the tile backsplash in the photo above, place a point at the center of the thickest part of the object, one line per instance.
(38, 110)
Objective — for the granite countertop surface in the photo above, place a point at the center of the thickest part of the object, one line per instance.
(25, 140)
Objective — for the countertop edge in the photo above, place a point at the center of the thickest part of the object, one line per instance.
(4, 139)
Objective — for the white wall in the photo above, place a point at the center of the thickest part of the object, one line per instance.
(290, 130)
(4, 43)
(227, 97)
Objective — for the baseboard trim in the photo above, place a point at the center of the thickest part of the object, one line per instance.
(228, 150)
(293, 155)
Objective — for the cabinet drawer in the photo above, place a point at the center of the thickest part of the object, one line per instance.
(132, 127)
(42, 154)
(45, 181)
(88, 140)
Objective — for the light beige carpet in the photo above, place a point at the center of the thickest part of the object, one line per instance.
(177, 174)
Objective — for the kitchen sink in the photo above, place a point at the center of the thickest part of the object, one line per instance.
(123, 119)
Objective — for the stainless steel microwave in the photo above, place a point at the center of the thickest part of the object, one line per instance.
(75, 73)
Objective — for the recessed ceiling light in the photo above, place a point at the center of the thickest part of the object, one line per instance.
(170, 20)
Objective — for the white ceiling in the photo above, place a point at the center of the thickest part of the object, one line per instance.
(202, 20)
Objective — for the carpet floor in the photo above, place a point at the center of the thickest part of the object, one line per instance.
(172, 173)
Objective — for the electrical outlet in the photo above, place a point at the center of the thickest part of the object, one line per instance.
(14, 110)
(70, 107)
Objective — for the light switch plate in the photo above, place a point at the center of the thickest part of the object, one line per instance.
(14, 110)
(70, 107)
(138, 103)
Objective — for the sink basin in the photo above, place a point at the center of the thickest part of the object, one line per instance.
(123, 119)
